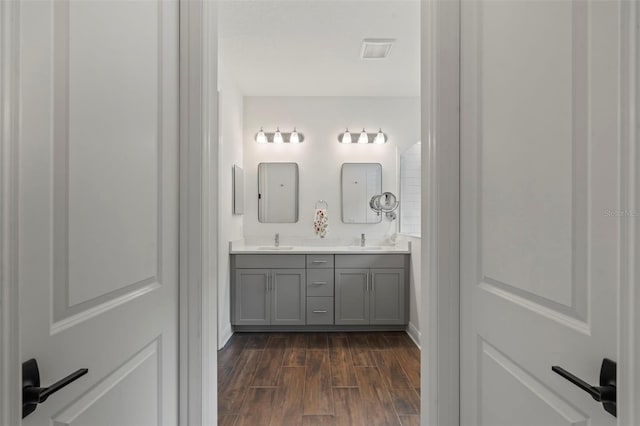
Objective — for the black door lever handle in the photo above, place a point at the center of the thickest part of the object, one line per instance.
(33, 394)
(605, 393)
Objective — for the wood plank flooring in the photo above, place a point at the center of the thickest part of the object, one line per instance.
(338, 379)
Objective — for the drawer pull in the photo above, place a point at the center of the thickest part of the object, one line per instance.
(319, 312)
(319, 261)
(318, 283)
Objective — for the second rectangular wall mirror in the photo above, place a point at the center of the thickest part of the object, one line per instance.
(360, 182)
(278, 192)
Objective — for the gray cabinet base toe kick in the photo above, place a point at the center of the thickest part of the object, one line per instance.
(319, 328)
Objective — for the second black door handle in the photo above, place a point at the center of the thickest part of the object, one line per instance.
(605, 393)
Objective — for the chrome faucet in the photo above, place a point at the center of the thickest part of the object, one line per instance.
(362, 240)
(276, 241)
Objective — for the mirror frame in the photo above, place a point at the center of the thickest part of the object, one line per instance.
(297, 191)
(366, 201)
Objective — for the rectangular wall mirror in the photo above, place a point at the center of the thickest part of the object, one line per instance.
(278, 192)
(360, 182)
(238, 190)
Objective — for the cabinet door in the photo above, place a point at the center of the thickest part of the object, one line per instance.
(288, 297)
(251, 292)
(352, 296)
(387, 296)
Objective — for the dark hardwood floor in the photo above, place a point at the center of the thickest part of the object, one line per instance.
(319, 379)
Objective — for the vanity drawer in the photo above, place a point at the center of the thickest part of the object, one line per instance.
(319, 261)
(319, 310)
(269, 261)
(370, 260)
(320, 282)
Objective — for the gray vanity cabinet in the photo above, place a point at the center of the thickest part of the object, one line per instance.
(269, 296)
(252, 301)
(376, 295)
(288, 297)
(319, 291)
(351, 299)
(387, 297)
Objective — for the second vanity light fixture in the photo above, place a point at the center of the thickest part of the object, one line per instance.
(279, 137)
(378, 138)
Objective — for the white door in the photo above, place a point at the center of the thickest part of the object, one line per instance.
(98, 204)
(540, 158)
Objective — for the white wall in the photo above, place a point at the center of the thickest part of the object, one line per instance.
(320, 156)
(415, 311)
(415, 294)
(230, 225)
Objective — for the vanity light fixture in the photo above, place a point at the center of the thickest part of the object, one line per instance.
(294, 137)
(279, 137)
(364, 138)
(261, 137)
(345, 137)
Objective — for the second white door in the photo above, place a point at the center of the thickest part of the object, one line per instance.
(540, 247)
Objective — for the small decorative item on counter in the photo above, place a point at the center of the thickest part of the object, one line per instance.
(321, 220)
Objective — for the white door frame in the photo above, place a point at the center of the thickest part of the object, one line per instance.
(10, 387)
(440, 323)
(629, 296)
(198, 211)
(198, 160)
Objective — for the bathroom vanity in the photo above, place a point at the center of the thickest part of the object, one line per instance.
(319, 288)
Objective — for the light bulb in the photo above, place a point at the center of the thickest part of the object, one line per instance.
(277, 137)
(364, 138)
(380, 139)
(261, 137)
(346, 137)
(294, 138)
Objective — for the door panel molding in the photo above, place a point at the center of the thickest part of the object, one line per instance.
(531, 302)
(72, 307)
(10, 404)
(569, 306)
(150, 353)
(90, 310)
(534, 388)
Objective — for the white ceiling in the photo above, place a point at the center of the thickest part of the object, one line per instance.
(312, 48)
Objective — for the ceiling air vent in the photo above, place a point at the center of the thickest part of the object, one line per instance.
(376, 48)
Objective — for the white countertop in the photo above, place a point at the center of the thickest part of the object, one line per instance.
(240, 248)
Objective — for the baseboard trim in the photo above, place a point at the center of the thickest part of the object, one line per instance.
(224, 336)
(414, 334)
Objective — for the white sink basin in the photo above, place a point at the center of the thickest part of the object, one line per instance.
(366, 248)
(276, 248)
